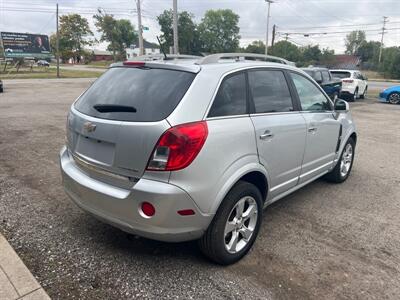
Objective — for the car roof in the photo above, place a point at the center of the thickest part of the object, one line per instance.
(224, 66)
(343, 70)
(315, 69)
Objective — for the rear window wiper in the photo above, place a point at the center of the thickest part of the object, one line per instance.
(107, 108)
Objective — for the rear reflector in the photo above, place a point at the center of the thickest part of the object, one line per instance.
(147, 209)
(133, 63)
(178, 147)
(186, 212)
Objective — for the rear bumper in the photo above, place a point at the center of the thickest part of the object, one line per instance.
(347, 92)
(120, 207)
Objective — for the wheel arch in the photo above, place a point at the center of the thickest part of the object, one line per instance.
(253, 173)
(354, 137)
(391, 93)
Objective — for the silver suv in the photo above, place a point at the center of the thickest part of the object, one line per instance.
(186, 149)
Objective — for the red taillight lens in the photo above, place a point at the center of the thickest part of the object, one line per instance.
(348, 80)
(178, 147)
(133, 63)
(148, 209)
(186, 212)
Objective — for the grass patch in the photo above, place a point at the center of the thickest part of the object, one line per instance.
(100, 64)
(372, 74)
(45, 73)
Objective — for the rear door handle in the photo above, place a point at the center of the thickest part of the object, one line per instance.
(266, 135)
(312, 129)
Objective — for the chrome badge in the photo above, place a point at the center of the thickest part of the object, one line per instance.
(89, 127)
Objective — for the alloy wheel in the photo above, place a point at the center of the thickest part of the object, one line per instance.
(394, 98)
(241, 224)
(347, 158)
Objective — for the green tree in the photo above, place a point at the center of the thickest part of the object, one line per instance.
(286, 50)
(219, 31)
(188, 38)
(354, 40)
(119, 33)
(327, 57)
(75, 34)
(369, 54)
(255, 47)
(390, 64)
(311, 55)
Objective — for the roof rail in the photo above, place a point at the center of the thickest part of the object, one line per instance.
(160, 56)
(214, 58)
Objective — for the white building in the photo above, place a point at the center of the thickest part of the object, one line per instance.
(149, 48)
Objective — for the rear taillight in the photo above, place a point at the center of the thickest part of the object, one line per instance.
(348, 80)
(134, 63)
(178, 147)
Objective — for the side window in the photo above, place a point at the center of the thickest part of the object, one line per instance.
(231, 97)
(270, 91)
(317, 76)
(325, 76)
(311, 98)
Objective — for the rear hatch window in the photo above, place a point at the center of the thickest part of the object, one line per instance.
(341, 75)
(135, 94)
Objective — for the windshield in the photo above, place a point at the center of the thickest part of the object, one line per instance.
(340, 75)
(135, 94)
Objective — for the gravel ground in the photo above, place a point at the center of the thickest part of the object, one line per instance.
(325, 241)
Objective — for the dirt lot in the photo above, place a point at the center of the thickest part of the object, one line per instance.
(325, 241)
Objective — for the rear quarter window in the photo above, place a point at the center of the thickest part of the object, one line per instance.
(153, 93)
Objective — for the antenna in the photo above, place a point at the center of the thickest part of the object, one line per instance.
(162, 49)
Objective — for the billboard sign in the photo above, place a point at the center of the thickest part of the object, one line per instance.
(22, 45)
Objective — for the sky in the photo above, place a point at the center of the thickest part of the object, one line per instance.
(326, 21)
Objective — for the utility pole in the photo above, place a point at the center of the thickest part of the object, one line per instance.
(273, 35)
(383, 32)
(57, 45)
(268, 16)
(139, 12)
(175, 25)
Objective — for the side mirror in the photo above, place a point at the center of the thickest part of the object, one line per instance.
(341, 106)
(319, 81)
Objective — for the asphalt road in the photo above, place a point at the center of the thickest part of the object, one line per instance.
(380, 85)
(326, 241)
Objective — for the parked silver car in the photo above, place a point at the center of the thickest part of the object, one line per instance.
(190, 149)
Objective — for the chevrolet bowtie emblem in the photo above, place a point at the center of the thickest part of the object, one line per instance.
(89, 127)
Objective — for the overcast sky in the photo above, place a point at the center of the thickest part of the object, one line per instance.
(328, 20)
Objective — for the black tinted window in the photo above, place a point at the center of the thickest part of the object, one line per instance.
(231, 97)
(152, 93)
(269, 91)
(311, 98)
(340, 74)
(325, 76)
(317, 76)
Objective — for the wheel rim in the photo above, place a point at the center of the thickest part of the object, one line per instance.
(347, 158)
(394, 98)
(241, 223)
(355, 94)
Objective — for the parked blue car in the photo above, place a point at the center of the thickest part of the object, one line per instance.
(391, 95)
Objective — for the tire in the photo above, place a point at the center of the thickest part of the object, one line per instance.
(1, 90)
(336, 175)
(394, 98)
(353, 97)
(220, 236)
(364, 94)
